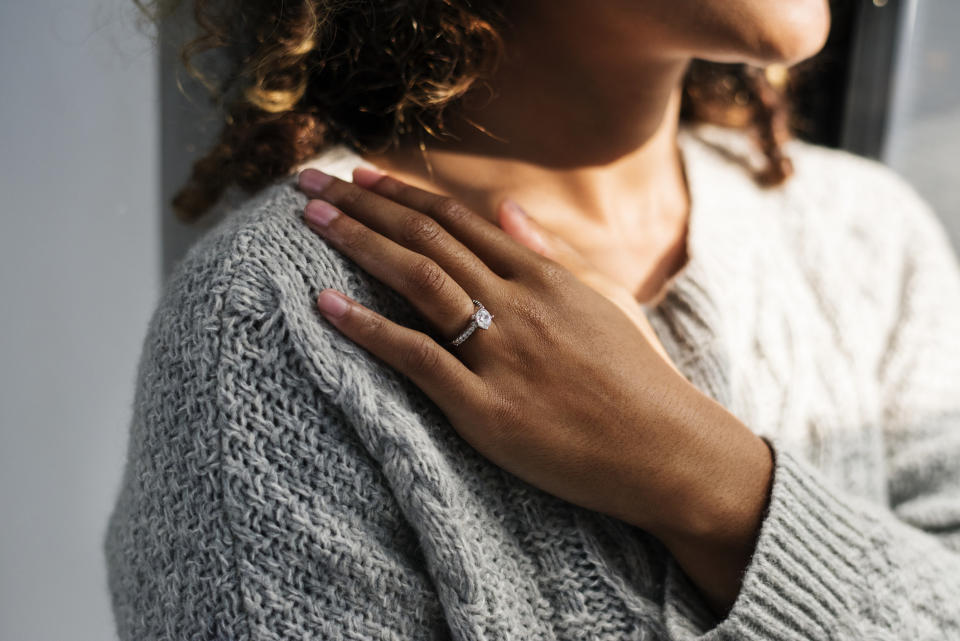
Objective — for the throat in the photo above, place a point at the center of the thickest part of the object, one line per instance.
(644, 264)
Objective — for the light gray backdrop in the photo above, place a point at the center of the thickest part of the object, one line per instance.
(79, 274)
(84, 242)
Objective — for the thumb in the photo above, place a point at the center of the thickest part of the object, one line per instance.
(528, 232)
(523, 229)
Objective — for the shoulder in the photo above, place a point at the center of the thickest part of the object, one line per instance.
(839, 213)
(258, 272)
(261, 236)
(247, 401)
(880, 227)
(858, 192)
(241, 268)
(261, 250)
(830, 190)
(237, 356)
(845, 235)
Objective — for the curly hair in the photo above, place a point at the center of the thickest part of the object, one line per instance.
(304, 74)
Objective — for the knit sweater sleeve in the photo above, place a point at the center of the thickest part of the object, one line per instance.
(828, 565)
(249, 508)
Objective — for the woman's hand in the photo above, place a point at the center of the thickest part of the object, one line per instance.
(563, 390)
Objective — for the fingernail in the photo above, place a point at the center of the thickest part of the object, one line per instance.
(513, 206)
(366, 177)
(332, 303)
(319, 213)
(314, 180)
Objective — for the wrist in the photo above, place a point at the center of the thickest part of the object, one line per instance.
(718, 495)
(719, 501)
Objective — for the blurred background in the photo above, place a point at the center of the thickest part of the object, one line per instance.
(95, 137)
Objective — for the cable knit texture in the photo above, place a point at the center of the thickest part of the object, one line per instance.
(282, 484)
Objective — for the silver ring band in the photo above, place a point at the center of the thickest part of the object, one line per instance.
(481, 318)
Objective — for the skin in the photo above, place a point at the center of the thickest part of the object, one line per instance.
(607, 75)
(569, 388)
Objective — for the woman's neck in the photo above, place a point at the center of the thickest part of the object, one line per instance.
(591, 157)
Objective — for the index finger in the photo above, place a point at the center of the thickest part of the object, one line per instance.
(498, 252)
(405, 226)
(482, 236)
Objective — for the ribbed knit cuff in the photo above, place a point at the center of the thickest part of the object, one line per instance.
(808, 577)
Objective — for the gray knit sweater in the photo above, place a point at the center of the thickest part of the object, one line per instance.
(282, 484)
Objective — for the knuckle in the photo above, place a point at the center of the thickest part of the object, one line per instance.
(393, 188)
(426, 275)
(343, 195)
(418, 230)
(350, 236)
(450, 211)
(372, 324)
(420, 355)
(538, 320)
(552, 273)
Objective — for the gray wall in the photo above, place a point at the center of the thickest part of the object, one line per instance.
(79, 273)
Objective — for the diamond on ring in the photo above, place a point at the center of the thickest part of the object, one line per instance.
(483, 318)
(480, 318)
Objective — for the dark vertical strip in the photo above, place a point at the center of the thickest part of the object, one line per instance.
(872, 64)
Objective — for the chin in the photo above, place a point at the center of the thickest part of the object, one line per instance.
(801, 30)
(764, 32)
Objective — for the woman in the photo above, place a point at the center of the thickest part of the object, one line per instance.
(668, 403)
